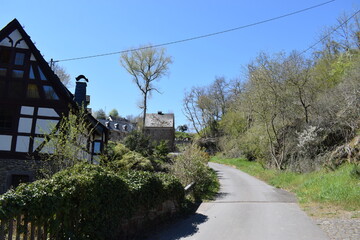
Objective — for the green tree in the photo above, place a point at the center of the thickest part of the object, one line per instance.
(182, 128)
(114, 113)
(67, 144)
(146, 65)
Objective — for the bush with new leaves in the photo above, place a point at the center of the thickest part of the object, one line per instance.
(88, 201)
(191, 166)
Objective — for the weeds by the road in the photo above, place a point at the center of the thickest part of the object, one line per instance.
(340, 188)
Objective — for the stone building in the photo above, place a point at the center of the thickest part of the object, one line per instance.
(160, 126)
(32, 103)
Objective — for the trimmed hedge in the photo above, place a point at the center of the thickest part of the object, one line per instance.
(89, 201)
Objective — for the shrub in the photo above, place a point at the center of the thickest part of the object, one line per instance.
(138, 142)
(120, 150)
(161, 151)
(131, 161)
(191, 166)
(88, 201)
(121, 158)
(113, 151)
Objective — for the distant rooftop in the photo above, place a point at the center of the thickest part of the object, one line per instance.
(159, 120)
(120, 125)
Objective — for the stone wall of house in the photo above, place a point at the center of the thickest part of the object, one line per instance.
(10, 167)
(158, 134)
(117, 136)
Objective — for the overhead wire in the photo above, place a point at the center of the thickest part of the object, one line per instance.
(330, 33)
(198, 37)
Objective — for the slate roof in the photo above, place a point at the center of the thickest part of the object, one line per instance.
(159, 120)
(122, 125)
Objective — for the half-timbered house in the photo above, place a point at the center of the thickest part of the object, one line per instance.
(32, 101)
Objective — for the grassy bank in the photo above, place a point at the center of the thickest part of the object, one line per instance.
(340, 188)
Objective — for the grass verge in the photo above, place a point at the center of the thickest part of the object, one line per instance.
(339, 189)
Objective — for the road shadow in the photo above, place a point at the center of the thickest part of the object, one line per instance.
(221, 195)
(219, 174)
(179, 229)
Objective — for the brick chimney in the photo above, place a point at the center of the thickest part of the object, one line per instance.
(80, 91)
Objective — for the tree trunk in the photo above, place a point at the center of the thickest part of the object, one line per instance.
(144, 113)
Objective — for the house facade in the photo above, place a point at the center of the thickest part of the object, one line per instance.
(32, 103)
(160, 126)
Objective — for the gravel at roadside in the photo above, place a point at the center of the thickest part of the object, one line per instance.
(340, 229)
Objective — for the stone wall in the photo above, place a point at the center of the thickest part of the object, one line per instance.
(158, 134)
(145, 221)
(9, 167)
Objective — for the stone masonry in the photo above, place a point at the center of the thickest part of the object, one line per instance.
(9, 167)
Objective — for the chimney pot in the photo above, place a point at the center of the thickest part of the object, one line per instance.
(80, 94)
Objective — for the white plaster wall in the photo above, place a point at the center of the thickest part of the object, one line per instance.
(22, 144)
(15, 36)
(37, 142)
(5, 142)
(96, 160)
(45, 126)
(5, 42)
(48, 112)
(25, 125)
(27, 110)
(48, 148)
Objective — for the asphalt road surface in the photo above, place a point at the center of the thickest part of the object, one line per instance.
(246, 208)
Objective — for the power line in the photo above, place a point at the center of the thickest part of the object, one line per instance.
(328, 35)
(201, 36)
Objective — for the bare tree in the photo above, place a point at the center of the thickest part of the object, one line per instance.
(191, 109)
(145, 65)
(205, 106)
(99, 114)
(62, 74)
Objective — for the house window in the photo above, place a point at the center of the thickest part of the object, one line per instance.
(97, 147)
(19, 58)
(32, 91)
(31, 73)
(3, 72)
(50, 93)
(5, 142)
(17, 74)
(6, 116)
(42, 76)
(5, 55)
(16, 179)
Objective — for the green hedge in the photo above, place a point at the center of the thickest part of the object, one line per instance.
(89, 201)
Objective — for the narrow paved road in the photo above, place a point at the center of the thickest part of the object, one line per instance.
(246, 208)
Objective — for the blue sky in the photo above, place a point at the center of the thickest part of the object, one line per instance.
(69, 29)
